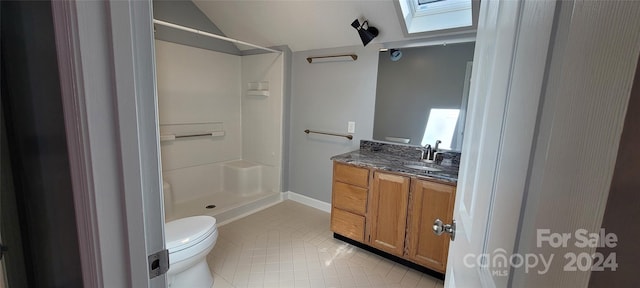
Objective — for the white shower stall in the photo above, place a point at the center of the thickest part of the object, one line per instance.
(221, 130)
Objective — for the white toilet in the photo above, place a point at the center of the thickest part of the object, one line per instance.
(189, 240)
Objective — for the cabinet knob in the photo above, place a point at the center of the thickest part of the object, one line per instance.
(439, 227)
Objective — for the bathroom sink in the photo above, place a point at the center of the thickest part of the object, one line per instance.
(423, 167)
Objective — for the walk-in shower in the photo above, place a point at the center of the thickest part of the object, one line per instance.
(220, 128)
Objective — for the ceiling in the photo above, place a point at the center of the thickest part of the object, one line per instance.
(302, 24)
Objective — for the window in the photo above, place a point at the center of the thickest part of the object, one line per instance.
(433, 15)
(441, 125)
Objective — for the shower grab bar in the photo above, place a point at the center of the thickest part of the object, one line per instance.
(169, 137)
(343, 57)
(350, 137)
(194, 135)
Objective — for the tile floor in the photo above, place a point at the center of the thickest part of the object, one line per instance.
(290, 245)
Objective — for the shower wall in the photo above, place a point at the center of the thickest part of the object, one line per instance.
(203, 86)
(262, 116)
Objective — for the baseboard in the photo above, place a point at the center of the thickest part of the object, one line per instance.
(320, 205)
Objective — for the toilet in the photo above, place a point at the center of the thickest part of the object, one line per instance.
(189, 240)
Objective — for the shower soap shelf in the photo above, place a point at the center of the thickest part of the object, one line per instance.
(260, 88)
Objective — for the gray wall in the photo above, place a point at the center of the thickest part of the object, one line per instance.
(32, 108)
(424, 78)
(15, 271)
(622, 204)
(325, 96)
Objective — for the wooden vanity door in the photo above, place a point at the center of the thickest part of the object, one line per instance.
(429, 201)
(388, 214)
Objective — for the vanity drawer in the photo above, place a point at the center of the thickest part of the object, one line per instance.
(347, 224)
(351, 175)
(349, 197)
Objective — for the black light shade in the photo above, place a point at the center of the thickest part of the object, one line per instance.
(366, 33)
(355, 24)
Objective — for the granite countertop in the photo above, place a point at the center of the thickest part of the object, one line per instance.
(396, 163)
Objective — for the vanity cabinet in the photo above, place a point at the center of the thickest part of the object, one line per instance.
(429, 201)
(349, 204)
(388, 212)
(392, 213)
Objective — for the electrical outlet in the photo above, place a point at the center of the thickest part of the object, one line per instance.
(351, 127)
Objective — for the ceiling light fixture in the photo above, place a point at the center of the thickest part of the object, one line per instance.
(366, 32)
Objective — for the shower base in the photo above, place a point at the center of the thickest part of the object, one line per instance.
(228, 206)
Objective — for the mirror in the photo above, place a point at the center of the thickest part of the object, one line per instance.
(421, 95)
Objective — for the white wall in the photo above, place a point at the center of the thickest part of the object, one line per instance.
(197, 86)
(325, 96)
(262, 116)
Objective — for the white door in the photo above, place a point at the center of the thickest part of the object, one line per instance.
(506, 82)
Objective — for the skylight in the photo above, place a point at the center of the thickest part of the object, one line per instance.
(433, 15)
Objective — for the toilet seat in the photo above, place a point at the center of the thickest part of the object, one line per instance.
(189, 236)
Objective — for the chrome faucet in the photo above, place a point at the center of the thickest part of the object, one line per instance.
(437, 144)
(435, 153)
(429, 153)
(426, 152)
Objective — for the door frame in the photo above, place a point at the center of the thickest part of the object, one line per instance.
(107, 74)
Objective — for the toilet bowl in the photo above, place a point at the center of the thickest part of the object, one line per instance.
(189, 240)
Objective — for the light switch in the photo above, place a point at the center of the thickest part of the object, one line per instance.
(351, 127)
